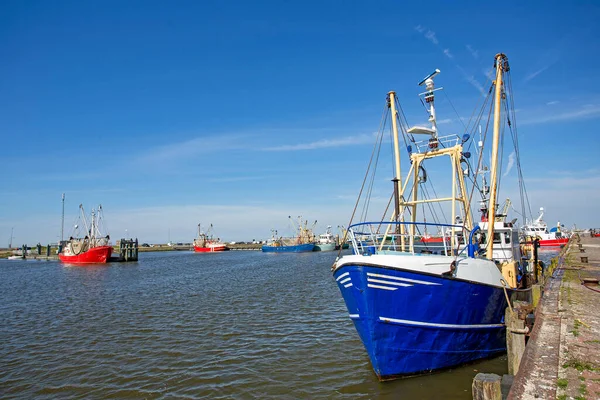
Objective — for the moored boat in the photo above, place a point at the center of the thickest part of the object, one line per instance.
(303, 241)
(416, 311)
(326, 241)
(538, 230)
(206, 243)
(93, 248)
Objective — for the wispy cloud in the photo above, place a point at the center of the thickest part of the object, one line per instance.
(586, 112)
(551, 103)
(473, 52)
(536, 73)
(511, 163)
(193, 147)
(431, 36)
(325, 143)
(238, 179)
(472, 80)
(548, 59)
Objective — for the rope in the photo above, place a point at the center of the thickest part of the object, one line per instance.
(382, 123)
(504, 284)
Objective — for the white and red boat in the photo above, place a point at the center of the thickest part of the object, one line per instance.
(205, 243)
(93, 248)
(538, 229)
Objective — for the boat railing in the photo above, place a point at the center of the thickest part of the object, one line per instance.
(370, 238)
(440, 142)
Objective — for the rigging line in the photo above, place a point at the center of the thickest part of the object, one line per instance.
(524, 197)
(481, 110)
(403, 125)
(372, 180)
(480, 159)
(432, 210)
(439, 204)
(477, 121)
(404, 120)
(456, 112)
(362, 186)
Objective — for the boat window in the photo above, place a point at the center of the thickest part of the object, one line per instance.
(507, 239)
(497, 238)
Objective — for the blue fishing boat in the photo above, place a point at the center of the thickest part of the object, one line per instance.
(303, 241)
(418, 310)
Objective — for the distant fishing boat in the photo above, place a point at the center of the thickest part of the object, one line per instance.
(94, 247)
(304, 241)
(206, 243)
(538, 229)
(326, 241)
(416, 311)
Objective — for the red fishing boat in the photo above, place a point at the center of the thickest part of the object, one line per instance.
(93, 247)
(205, 243)
(538, 229)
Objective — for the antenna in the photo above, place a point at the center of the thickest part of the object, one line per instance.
(431, 75)
(62, 225)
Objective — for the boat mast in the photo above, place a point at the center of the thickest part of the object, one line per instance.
(93, 228)
(397, 178)
(62, 225)
(501, 65)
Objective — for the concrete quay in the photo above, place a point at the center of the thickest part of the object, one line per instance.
(562, 356)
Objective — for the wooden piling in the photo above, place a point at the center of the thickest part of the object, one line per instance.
(487, 387)
(515, 340)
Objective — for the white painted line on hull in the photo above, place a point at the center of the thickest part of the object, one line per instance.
(381, 287)
(419, 323)
(388, 282)
(342, 275)
(401, 279)
(348, 285)
(353, 315)
(345, 280)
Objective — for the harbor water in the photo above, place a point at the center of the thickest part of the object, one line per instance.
(237, 324)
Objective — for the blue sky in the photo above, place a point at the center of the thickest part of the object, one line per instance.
(238, 114)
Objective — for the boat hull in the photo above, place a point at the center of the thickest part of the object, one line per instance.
(95, 255)
(412, 323)
(298, 248)
(552, 242)
(209, 249)
(324, 247)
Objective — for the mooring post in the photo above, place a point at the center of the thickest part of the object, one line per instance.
(487, 387)
(536, 294)
(515, 340)
(48, 248)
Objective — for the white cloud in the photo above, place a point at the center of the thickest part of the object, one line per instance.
(448, 54)
(430, 35)
(192, 148)
(325, 143)
(473, 52)
(511, 163)
(585, 112)
(551, 103)
(536, 73)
